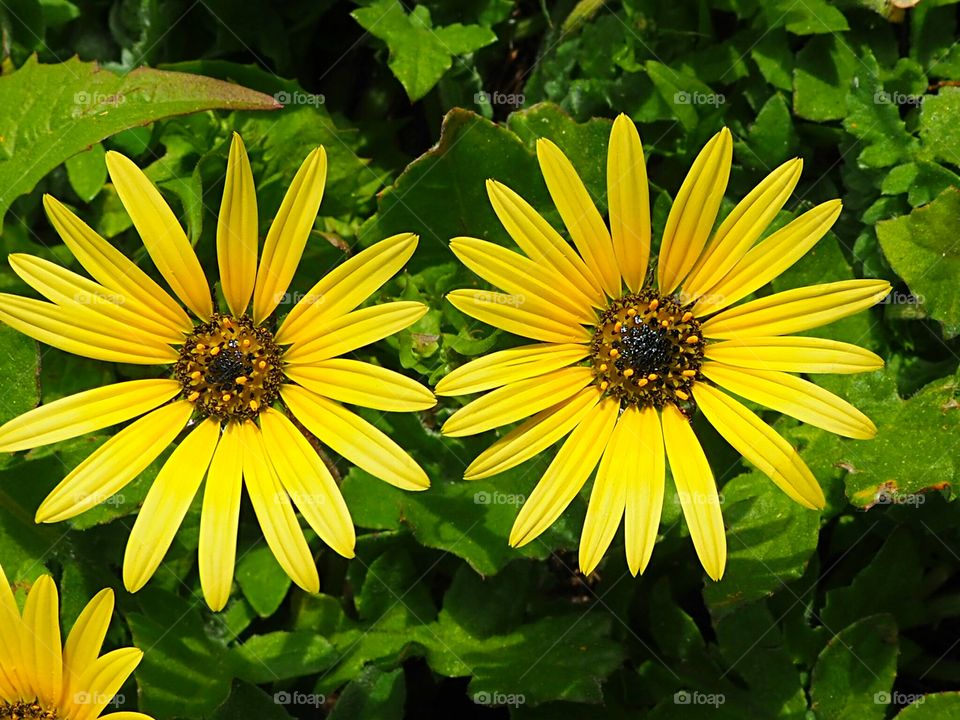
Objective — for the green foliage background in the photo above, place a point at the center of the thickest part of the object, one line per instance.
(852, 613)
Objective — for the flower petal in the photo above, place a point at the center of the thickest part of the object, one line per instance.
(115, 463)
(355, 439)
(741, 228)
(275, 513)
(112, 269)
(761, 445)
(769, 258)
(697, 491)
(102, 680)
(288, 234)
(85, 412)
(40, 642)
(167, 503)
(580, 215)
(794, 354)
(645, 468)
(354, 330)
(81, 331)
(220, 518)
(541, 243)
(796, 310)
(629, 199)
(533, 436)
(162, 234)
(792, 396)
(516, 401)
(346, 286)
(237, 230)
(520, 276)
(67, 289)
(11, 631)
(85, 640)
(524, 316)
(308, 482)
(363, 384)
(507, 366)
(694, 211)
(567, 473)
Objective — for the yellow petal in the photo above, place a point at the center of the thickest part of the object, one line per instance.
(40, 642)
(85, 640)
(694, 211)
(356, 329)
(566, 474)
(288, 234)
(629, 199)
(101, 682)
(794, 354)
(580, 215)
(220, 518)
(520, 276)
(608, 496)
(112, 269)
(516, 401)
(525, 316)
(645, 469)
(308, 482)
(275, 513)
(360, 383)
(81, 331)
(697, 491)
(11, 632)
(796, 310)
(792, 396)
(761, 445)
(507, 366)
(346, 286)
(162, 235)
(237, 230)
(68, 289)
(537, 238)
(115, 463)
(355, 439)
(741, 228)
(769, 258)
(533, 436)
(85, 412)
(167, 503)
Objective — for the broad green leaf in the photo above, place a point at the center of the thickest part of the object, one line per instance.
(373, 695)
(420, 54)
(854, 673)
(825, 67)
(248, 702)
(52, 112)
(87, 172)
(282, 655)
(935, 706)
(939, 128)
(19, 373)
(262, 581)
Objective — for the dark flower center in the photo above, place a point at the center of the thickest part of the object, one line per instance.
(25, 711)
(647, 351)
(230, 368)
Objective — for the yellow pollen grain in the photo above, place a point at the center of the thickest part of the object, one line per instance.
(693, 340)
(262, 364)
(241, 380)
(632, 312)
(665, 323)
(603, 367)
(642, 381)
(245, 344)
(226, 397)
(614, 353)
(652, 376)
(654, 304)
(686, 317)
(200, 347)
(628, 372)
(192, 397)
(195, 375)
(689, 373)
(254, 405)
(604, 385)
(618, 327)
(681, 394)
(215, 350)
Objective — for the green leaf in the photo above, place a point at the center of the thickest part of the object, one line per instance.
(19, 373)
(52, 112)
(282, 655)
(248, 702)
(821, 78)
(921, 249)
(420, 54)
(263, 582)
(772, 138)
(87, 172)
(939, 128)
(935, 706)
(373, 695)
(855, 671)
(808, 17)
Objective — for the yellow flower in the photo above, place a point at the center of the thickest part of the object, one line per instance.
(236, 382)
(623, 362)
(39, 678)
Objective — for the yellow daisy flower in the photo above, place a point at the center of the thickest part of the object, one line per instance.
(39, 677)
(623, 361)
(237, 383)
